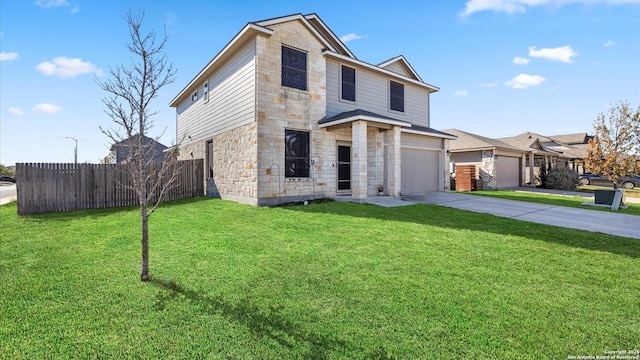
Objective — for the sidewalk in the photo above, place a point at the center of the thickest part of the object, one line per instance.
(573, 218)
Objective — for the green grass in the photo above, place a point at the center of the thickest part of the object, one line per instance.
(330, 280)
(558, 200)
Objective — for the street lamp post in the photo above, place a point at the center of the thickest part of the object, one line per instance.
(75, 150)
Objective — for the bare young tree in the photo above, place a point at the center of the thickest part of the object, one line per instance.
(131, 89)
(611, 150)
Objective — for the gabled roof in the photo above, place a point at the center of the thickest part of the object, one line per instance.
(315, 20)
(334, 47)
(315, 25)
(529, 141)
(403, 63)
(145, 140)
(384, 71)
(571, 139)
(471, 142)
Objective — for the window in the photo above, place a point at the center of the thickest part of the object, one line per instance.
(194, 96)
(206, 91)
(296, 153)
(294, 68)
(396, 101)
(348, 83)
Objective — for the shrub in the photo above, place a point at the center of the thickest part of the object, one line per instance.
(562, 178)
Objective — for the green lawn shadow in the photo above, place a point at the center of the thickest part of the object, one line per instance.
(445, 217)
(100, 213)
(261, 322)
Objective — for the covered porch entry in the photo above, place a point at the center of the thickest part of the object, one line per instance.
(371, 160)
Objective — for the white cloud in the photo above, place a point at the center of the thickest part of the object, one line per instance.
(521, 6)
(351, 36)
(8, 56)
(524, 81)
(46, 109)
(52, 3)
(48, 4)
(520, 61)
(489, 85)
(15, 111)
(609, 43)
(563, 53)
(461, 93)
(67, 67)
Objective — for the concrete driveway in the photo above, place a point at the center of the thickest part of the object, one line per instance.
(8, 193)
(590, 220)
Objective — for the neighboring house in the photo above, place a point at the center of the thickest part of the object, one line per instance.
(574, 146)
(285, 112)
(546, 151)
(498, 164)
(516, 161)
(154, 150)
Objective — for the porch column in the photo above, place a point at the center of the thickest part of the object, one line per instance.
(394, 169)
(532, 174)
(359, 160)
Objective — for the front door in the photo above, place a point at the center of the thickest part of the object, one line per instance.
(344, 168)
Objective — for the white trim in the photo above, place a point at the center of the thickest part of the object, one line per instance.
(355, 79)
(238, 40)
(406, 63)
(326, 28)
(389, 109)
(379, 70)
(365, 118)
(418, 132)
(304, 21)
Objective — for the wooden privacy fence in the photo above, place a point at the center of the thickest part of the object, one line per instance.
(67, 187)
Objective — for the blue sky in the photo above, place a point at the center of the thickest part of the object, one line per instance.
(503, 66)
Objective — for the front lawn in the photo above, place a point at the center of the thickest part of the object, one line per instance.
(558, 200)
(330, 280)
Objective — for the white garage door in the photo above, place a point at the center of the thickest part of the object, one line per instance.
(420, 171)
(507, 172)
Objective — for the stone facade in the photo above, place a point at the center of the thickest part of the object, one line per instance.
(249, 160)
(281, 107)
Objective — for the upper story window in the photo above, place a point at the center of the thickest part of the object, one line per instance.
(348, 83)
(296, 153)
(396, 96)
(194, 96)
(206, 91)
(294, 68)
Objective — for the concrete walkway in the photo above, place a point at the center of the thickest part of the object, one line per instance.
(7, 194)
(573, 218)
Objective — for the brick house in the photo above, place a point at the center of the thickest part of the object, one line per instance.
(285, 112)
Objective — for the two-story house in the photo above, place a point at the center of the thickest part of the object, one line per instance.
(285, 112)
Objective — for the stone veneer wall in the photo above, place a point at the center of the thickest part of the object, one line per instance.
(487, 170)
(282, 108)
(234, 162)
(375, 156)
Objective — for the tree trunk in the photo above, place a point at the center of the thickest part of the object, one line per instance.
(144, 271)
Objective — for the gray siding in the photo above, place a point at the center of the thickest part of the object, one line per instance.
(467, 158)
(412, 140)
(372, 94)
(231, 100)
(398, 69)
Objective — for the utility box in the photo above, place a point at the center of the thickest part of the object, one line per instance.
(466, 178)
(604, 197)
